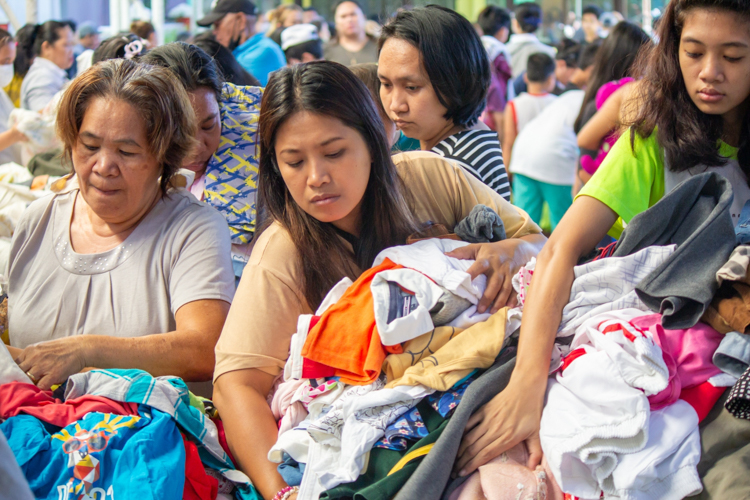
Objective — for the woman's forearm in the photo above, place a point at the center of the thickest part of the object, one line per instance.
(250, 429)
(10, 137)
(187, 352)
(604, 121)
(532, 245)
(553, 277)
(585, 224)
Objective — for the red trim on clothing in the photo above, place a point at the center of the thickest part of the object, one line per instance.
(538, 95)
(616, 327)
(572, 356)
(515, 118)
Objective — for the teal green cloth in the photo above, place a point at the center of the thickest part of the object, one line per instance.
(375, 483)
(529, 195)
(404, 144)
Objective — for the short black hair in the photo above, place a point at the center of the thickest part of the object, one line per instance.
(492, 19)
(588, 54)
(592, 9)
(529, 17)
(313, 47)
(539, 67)
(565, 44)
(355, 2)
(452, 55)
(570, 55)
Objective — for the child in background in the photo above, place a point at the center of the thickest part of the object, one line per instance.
(540, 80)
(495, 24)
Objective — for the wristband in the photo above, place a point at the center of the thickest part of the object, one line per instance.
(286, 492)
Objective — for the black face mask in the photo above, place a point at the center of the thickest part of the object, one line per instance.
(235, 41)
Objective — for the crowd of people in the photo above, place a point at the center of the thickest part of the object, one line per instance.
(429, 259)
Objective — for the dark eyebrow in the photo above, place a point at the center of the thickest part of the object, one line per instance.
(741, 45)
(324, 143)
(332, 139)
(210, 117)
(126, 140)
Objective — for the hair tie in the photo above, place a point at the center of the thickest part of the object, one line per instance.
(133, 49)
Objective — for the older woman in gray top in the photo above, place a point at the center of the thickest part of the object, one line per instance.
(120, 270)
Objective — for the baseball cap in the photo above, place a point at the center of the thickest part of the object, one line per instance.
(221, 8)
(86, 29)
(298, 34)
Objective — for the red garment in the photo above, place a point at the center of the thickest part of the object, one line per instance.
(17, 397)
(346, 338)
(223, 438)
(313, 369)
(198, 484)
(702, 398)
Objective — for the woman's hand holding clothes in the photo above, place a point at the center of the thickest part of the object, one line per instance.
(499, 261)
(514, 414)
(52, 362)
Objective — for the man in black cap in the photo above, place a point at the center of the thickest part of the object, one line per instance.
(234, 27)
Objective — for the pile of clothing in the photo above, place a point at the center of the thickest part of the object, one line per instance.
(375, 375)
(382, 380)
(116, 434)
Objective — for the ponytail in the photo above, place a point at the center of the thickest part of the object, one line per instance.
(25, 37)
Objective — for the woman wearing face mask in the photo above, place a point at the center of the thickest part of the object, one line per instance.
(52, 46)
(8, 137)
(335, 198)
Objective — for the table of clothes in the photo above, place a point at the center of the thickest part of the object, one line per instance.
(648, 395)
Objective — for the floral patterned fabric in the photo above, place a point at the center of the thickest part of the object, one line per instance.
(410, 427)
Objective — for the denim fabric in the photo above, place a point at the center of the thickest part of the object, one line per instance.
(742, 229)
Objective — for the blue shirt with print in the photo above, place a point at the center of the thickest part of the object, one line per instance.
(103, 456)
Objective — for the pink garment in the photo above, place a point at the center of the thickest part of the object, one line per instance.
(198, 186)
(288, 412)
(687, 354)
(223, 437)
(17, 398)
(507, 478)
(589, 164)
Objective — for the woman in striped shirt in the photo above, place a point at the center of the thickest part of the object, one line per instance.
(434, 75)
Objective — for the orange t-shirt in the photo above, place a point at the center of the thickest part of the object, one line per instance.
(346, 338)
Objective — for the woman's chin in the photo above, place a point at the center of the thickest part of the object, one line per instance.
(198, 168)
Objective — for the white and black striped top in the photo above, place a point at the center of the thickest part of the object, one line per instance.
(478, 151)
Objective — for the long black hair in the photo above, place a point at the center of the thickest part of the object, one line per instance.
(686, 134)
(453, 57)
(189, 63)
(330, 89)
(614, 61)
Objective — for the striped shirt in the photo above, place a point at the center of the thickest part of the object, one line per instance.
(478, 151)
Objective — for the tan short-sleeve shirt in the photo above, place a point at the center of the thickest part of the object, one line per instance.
(263, 316)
